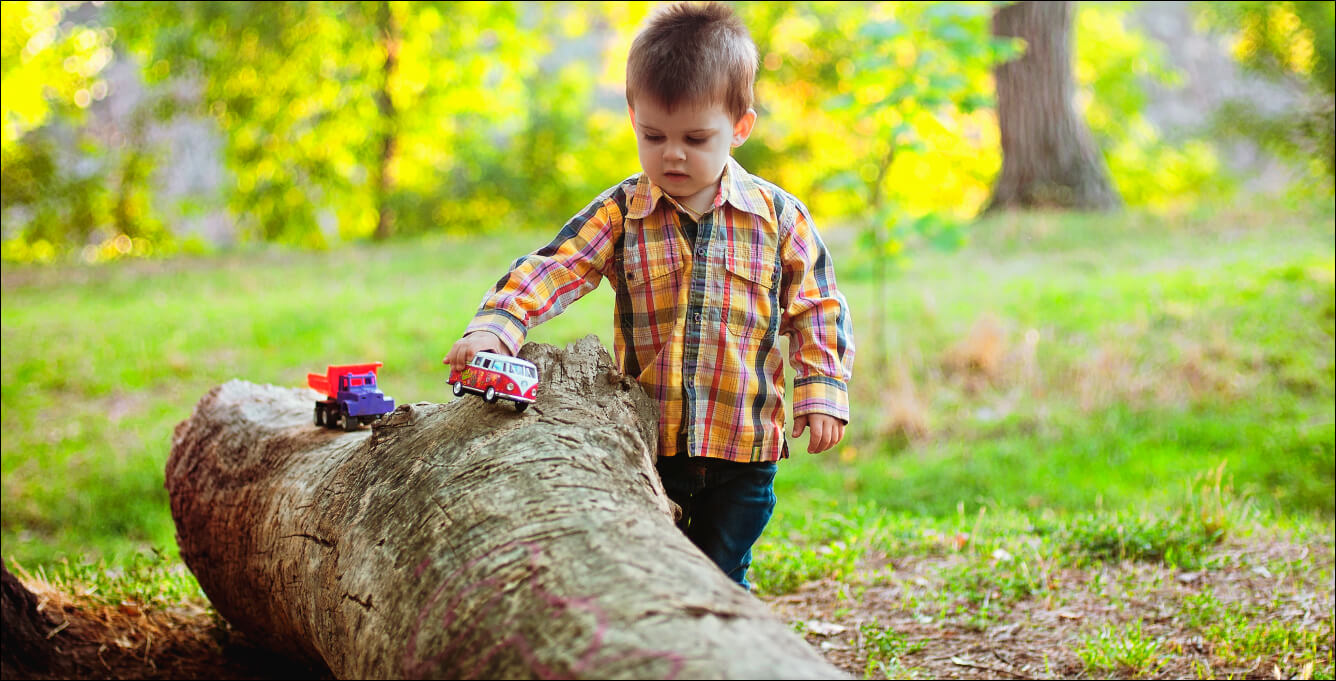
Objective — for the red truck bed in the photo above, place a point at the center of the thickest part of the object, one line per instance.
(328, 382)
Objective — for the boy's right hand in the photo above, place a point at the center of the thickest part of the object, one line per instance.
(462, 352)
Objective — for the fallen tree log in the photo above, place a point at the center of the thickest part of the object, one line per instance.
(26, 648)
(463, 540)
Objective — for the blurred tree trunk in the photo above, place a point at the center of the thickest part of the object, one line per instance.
(464, 540)
(1048, 156)
(388, 30)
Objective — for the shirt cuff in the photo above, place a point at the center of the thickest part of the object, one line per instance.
(506, 326)
(821, 395)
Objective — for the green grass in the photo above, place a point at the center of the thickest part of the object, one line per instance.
(150, 578)
(1133, 355)
(1240, 637)
(1126, 651)
(885, 647)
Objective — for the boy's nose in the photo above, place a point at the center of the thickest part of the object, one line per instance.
(674, 153)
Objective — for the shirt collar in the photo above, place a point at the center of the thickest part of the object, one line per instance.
(736, 187)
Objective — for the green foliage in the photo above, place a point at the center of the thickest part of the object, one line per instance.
(52, 71)
(1113, 67)
(295, 89)
(497, 115)
(1292, 44)
(50, 67)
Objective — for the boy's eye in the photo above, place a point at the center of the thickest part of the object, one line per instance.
(654, 138)
(697, 140)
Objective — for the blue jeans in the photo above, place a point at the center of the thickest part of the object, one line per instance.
(725, 506)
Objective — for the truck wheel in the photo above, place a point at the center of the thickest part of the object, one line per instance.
(319, 416)
(458, 388)
(521, 406)
(489, 395)
(350, 423)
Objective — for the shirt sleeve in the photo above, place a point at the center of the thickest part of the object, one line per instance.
(816, 318)
(540, 285)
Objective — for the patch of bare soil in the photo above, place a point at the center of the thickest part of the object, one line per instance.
(131, 641)
(1040, 637)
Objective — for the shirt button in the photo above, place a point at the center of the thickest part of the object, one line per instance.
(700, 252)
(697, 317)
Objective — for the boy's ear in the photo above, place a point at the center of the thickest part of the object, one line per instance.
(632, 112)
(742, 129)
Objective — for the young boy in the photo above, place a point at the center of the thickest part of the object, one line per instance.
(709, 264)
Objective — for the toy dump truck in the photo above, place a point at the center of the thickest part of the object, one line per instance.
(354, 399)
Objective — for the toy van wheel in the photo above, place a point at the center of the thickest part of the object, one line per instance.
(521, 406)
(458, 388)
(489, 395)
(319, 416)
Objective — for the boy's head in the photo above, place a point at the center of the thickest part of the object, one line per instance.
(689, 83)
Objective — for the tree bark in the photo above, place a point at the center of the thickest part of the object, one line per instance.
(1049, 159)
(464, 540)
(27, 651)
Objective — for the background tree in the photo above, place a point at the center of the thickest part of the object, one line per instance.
(891, 85)
(387, 29)
(1048, 155)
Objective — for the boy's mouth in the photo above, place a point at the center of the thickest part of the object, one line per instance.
(674, 175)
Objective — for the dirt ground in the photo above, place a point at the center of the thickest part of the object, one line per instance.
(1040, 638)
(1035, 638)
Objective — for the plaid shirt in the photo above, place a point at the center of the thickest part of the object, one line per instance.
(697, 320)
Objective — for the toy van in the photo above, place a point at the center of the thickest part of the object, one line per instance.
(496, 376)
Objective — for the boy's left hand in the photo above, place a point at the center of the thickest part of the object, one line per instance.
(827, 431)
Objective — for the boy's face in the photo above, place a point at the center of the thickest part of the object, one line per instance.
(684, 152)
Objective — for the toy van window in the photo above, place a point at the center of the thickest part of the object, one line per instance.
(357, 381)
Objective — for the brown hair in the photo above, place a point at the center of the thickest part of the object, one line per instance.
(693, 54)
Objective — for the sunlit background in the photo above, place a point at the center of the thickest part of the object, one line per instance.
(146, 129)
(198, 192)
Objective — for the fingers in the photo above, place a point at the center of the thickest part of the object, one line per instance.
(820, 432)
(464, 356)
(799, 425)
(827, 431)
(459, 355)
(462, 352)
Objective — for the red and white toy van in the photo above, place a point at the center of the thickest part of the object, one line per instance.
(496, 376)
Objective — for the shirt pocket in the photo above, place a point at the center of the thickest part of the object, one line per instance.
(752, 287)
(652, 286)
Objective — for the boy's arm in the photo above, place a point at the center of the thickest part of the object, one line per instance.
(816, 317)
(541, 284)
